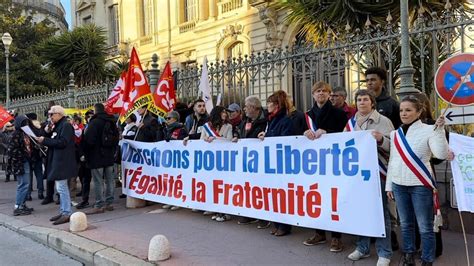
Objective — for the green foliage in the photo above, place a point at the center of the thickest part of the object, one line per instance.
(317, 16)
(81, 51)
(27, 72)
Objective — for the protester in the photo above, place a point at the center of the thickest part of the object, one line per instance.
(20, 151)
(61, 161)
(84, 172)
(367, 118)
(101, 139)
(253, 123)
(279, 124)
(130, 129)
(174, 131)
(235, 114)
(338, 99)
(149, 130)
(386, 105)
(194, 122)
(218, 127)
(427, 118)
(36, 159)
(6, 136)
(414, 143)
(321, 119)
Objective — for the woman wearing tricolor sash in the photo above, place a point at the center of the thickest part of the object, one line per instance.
(367, 118)
(218, 127)
(410, 179)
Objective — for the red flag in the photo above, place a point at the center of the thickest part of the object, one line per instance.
(114, 103)
(4, 117)
(137, 90)
(164, 95)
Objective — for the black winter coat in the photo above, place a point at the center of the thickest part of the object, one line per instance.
(61, 158)
(389, 107)
(151, 131)
(257, 126)
(298, 121)
(98, 156)
(329, 118)
(279, 126)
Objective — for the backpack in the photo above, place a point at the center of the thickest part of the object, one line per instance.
(110, 135)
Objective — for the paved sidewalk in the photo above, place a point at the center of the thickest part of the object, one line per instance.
(196, 239)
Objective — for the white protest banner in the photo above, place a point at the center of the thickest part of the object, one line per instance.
(463, 170)
(331, 183)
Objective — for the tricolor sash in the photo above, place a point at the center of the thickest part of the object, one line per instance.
(311, 124)
(419, 169)
(210, 130)
(350, 126)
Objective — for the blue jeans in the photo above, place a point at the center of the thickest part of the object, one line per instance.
(64, 197)
(23, 183)
(382, 245)
(98, 174)
(416, 201)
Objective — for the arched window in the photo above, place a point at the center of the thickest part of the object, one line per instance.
(235, 50)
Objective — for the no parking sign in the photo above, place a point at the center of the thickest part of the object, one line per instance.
(454, 80)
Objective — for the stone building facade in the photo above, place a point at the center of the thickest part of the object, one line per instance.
(40, 10)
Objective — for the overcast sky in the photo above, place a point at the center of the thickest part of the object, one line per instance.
(67, 7)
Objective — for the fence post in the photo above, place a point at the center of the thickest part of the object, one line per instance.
(154, 72)
(71, 91)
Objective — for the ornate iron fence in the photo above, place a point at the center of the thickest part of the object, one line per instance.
(341, 61)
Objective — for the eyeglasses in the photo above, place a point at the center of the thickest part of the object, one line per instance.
(335, 95)
(51, 114)
(168, 118)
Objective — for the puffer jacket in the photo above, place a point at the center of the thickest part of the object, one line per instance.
(425, 143)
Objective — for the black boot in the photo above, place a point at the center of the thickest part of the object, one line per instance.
(7, 179)
(408, 260)
(40, 195)
(424, 263)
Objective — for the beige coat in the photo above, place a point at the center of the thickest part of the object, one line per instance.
(225, 132)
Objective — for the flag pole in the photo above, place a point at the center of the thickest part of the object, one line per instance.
(465, 239)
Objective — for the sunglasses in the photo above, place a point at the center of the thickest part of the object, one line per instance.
(169, 118)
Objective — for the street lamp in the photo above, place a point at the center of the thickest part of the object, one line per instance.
(7, 41)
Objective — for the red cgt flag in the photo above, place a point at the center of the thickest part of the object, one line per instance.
(137, 90)
(164, 95)
(114, 103)
(4, 117)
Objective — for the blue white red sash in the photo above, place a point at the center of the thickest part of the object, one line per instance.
(311, 124)
(210, 130)
(418, 168)
(350, 126)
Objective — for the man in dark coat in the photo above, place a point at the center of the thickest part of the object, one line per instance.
(385, 105)
(100, 158)
(195, 121)
(253, 123)
(325, 119)
(61, 159)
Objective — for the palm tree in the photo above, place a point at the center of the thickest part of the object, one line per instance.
(81, 51)
(316, 16)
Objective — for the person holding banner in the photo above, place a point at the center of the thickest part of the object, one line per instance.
(321, 119)
(218, 127)
(252, 124)
(279, 124)
(367, 118)
(410, 178)
(194, 122)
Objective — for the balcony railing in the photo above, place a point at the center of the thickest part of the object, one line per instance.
(231, 5)
(187, 26)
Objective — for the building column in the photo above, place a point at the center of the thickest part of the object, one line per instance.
(203, 10)
(212, 9)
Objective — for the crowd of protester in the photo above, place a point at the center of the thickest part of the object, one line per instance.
(66, 149)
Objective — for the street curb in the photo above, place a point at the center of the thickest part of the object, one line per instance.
(77, 247)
